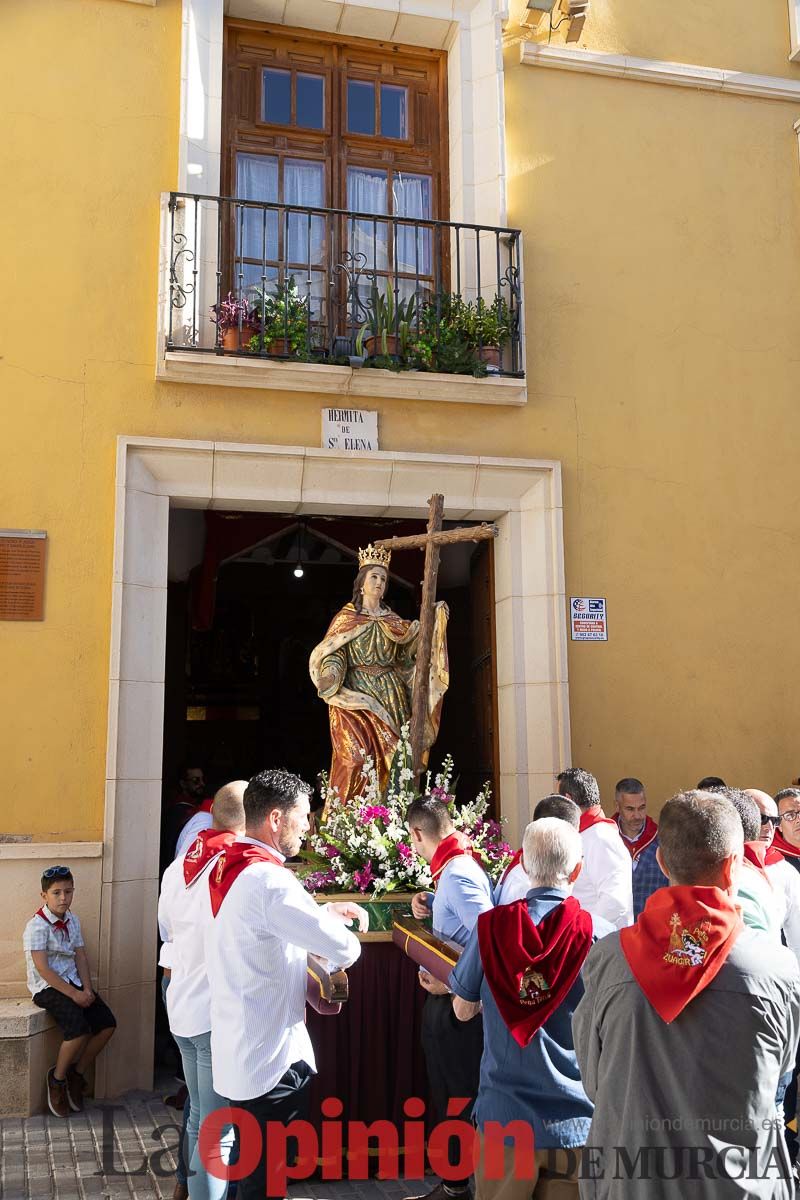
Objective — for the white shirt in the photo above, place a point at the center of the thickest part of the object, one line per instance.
(605, 884)
(60, 945)
(183, 914)
(515, 886)
(786, 882)
(256, 952)
(195, 825)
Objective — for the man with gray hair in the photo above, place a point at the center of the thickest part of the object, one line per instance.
(523, 964)
(787, 836)
(688, 1022)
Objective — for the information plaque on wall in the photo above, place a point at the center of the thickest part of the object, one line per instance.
(23, 555)
(349, 429)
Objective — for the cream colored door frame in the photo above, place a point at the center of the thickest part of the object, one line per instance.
(522, 495)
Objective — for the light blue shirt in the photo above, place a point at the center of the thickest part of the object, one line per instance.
(462, 894)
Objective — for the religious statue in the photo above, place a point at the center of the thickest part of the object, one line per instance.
(364, 670)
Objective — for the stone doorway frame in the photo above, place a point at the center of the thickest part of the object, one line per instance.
(522, 495)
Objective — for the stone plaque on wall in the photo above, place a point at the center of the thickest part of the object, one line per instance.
(22, 569)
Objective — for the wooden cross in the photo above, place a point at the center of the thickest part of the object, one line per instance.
(430, 542)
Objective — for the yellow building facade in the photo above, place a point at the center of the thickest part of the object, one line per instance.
(649, 156)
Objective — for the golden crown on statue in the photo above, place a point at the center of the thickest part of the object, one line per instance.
(374, 556)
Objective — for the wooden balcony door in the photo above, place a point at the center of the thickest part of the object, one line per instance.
(329, 122)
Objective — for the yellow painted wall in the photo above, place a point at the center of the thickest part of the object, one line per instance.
(662, 252)
(735, 35)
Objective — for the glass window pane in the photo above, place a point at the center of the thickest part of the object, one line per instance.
(412, 198)
(304, 183)
(394, 107)
(310, 101)
(360, 106)
(277, 97)
(256, 234)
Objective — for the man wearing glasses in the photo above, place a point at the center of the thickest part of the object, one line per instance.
(787, 836)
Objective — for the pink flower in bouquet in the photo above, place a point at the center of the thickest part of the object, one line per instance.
(318, 880)
(439, 793)
(331, 852)
(404, 852)
(363, 878)
(374, 812)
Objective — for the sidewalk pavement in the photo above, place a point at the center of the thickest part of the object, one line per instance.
(125, 1150)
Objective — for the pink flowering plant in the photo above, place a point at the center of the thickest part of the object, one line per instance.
(365, 846)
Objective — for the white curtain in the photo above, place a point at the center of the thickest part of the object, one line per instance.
(256, 231)
(304, 183)
(412, 198)
(366, 193)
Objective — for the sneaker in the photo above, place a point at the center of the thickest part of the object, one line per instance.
(76, 1088)
(57, 1099)
(440, 1192)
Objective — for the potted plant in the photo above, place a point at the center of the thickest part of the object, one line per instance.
(279, 321)
(444, 340)
(489, 329)
(389, 322)
(231, 316)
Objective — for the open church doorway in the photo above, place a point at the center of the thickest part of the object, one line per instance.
(249, 596)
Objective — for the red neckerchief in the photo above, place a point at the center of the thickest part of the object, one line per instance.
(649, 834)
(761, 856)
(783, 847)
(515, 860)
(206, 805)
(61, 926)
(454, 845)
(679, 943)
(594, 816)
(230, 864)
(531, 968)
(207, 843)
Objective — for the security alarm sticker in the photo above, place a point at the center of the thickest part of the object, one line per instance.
(587, 616)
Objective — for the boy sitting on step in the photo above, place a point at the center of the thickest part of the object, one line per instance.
(59, 981)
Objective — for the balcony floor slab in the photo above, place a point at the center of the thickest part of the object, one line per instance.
(200, 367)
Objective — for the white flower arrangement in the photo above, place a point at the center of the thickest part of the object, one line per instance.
(365, 846)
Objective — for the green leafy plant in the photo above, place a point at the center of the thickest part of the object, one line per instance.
(280, 317)
(488, 324)
(444, 340)
(387, 317)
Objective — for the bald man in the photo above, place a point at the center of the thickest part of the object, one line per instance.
(184, 908)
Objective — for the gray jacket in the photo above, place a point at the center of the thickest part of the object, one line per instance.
(687, 1111)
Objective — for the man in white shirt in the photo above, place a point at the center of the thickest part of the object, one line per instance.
(264, 925)
(604, 887)
(515, 882)
(201, 820)
(783, 877)
(184, 909)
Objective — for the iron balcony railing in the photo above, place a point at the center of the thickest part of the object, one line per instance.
(293, 282)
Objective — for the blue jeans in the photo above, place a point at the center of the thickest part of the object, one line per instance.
(196, 1055)
(180, 1170)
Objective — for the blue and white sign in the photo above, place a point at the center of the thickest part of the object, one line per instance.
(587, 618)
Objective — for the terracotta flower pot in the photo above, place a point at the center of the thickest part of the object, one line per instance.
(490, 355)
(234, 339)
(374, 345)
